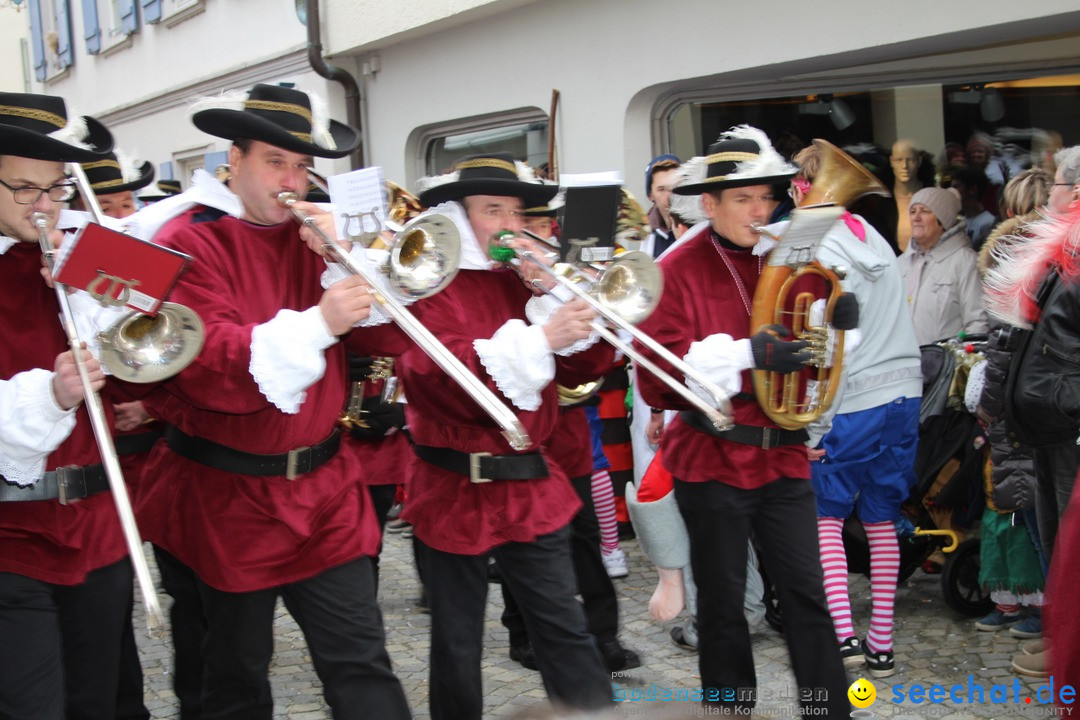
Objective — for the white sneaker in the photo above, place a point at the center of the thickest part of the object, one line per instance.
(615, 563)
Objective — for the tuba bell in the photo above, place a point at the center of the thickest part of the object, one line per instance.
(793, 401)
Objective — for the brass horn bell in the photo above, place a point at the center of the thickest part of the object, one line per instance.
(143, 349)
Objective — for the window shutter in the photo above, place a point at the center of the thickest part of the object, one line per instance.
(128, 19)
(165, 171)
(151, 10)
(37, 40)
(63, 29)
(91, 29)
(212, 160)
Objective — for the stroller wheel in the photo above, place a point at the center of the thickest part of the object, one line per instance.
(960, 581)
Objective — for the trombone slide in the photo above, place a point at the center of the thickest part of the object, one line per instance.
(512, 429)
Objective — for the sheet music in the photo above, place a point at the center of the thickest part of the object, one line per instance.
(359, 200)
(804, 233)
(613, 177)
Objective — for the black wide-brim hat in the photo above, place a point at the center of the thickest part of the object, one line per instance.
(491, 174)
(281, 117)
(169, 187)
(722, 168)
(541, 211)
(37, 127)
(107, 177)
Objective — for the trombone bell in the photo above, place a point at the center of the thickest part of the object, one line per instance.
(143, 349)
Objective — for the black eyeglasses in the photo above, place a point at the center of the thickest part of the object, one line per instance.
(30, 194)
(1065, 184)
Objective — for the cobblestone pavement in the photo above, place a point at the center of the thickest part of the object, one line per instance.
(933, 645)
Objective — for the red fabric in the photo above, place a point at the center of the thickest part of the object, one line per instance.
(570, 444)
(656, 482)
(383, 462)
(240, 532)
(1062, 591)
(700, 300)
(447, 511)
(45, 540)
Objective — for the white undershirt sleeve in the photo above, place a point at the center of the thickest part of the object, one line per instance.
(32, 425)
(721, 359)
(287, 356)
(520, 362)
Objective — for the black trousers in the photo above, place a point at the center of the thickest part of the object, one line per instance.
(1055, 475)
(783, 518)
(540, 576)
(60, 645)
(188, 622)
(595, 587)
(382, 499)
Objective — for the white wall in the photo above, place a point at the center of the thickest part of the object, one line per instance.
(614, 60)
(14, 28)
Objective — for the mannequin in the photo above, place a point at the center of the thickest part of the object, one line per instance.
(905, 166)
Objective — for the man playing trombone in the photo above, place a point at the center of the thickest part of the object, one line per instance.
(753, 478)
(248, 494)
(65, 581)
(470, 495)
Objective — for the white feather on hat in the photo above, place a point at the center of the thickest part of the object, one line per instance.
(767, 163)
(226, 100)
(130, 166)
(75, 132)
(688, 207)
(320, 122)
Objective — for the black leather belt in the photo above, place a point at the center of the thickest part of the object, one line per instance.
(484, 467)
(295, 462)
(65, 484)
(136, 443)
(762, 437)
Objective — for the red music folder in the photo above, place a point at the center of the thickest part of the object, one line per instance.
(117, 269)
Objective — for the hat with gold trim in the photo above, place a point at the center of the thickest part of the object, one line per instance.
(742, 156)
(116, 173)
(491, 174)
(280, 116)
(39, 127)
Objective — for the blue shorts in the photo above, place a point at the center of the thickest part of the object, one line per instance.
(869, 462)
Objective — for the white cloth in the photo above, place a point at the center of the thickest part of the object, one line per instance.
(287, 356)
(205, 190)
(519, 360)
(373, 261)
(32, 425)
(721, 359)
(540, 308)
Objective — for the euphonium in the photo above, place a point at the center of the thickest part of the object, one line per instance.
(787, 399)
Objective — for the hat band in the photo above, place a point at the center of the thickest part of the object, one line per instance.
(487, 163)
(106, 184)
(279, 107)
(34, 114)
(730, 157)
(100, 164)
(306, 137)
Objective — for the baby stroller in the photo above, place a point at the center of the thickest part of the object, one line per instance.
(950, 466)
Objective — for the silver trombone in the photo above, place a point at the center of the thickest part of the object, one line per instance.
(102, 434)
(626, 293)
(411, 272)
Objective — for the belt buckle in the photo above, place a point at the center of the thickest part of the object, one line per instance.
(292, 460)
(474, 467)
(770, 438)
(66, 493)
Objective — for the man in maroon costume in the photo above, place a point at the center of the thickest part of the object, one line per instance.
(65, 583)
(517, 506)
(754, 478)
(248, 494)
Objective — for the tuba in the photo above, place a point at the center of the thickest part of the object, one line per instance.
(793, 400)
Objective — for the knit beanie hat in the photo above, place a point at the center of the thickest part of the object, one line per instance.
(945, 204)
(652, 163)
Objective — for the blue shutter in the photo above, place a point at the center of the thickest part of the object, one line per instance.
(128, 20)
(37, 40)
(63, 29)
(165, 171)
(212, 160)
(91, 29)
(151, 10)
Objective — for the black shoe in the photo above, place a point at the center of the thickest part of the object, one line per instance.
(617, 658)
(524, 654)
(678, 636)
(879, 664)
(626, 531)
(422, 602)
(493, 574)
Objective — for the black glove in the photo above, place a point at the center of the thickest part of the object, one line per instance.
(359, 366)
(380, 418)
(845, 314)
(773, 353)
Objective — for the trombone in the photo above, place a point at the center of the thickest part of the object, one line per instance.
(154, 617)
(411, 272)
(625, 294)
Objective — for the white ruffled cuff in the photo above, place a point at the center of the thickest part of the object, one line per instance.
(32, 425)
(287, 356)
(539, 310)
(518, 359)
(373, 261)
(721, 359)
